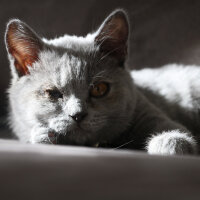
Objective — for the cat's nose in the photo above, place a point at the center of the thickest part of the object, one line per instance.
(78, 117)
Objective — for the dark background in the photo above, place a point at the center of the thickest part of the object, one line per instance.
(162, 31)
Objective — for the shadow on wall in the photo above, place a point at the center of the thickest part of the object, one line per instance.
(162, 31)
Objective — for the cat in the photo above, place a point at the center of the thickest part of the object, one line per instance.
(78, 91)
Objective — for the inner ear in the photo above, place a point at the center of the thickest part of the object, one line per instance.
(23, 45)
(112, 36)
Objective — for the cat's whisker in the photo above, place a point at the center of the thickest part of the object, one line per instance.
(124, 144)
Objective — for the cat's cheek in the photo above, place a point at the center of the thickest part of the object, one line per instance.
(43, 110)
(58, 124)
(171, 143)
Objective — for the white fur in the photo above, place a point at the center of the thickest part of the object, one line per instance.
(74, 105)
(177, 83)
(170, 143)
(39, 135)
(73, 42)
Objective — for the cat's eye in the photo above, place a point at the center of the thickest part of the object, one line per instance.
(100, 89)
(54, 94)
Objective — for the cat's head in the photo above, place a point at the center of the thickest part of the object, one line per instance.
(76, 86)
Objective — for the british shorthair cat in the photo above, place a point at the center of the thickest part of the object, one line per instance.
(78, 91)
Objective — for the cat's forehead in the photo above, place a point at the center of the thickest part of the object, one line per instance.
(68, 68)
(63, 69)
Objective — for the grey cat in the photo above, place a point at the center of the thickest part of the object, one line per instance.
(78, 91)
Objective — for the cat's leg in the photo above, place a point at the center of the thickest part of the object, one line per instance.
(161, 134)
(172, 142)
(42, 135)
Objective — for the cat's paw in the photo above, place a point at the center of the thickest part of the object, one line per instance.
(40, 139)
(42, 135)
(171, 143)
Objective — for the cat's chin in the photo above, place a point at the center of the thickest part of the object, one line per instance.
(74, 136)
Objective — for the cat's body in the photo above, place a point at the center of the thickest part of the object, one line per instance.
(174, 89)
(76, 90)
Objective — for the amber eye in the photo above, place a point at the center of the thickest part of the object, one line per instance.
(54, 94)
(99, 89)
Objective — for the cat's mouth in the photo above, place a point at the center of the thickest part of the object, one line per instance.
(70, 133)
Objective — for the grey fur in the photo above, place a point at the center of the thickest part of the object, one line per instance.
(72, 64)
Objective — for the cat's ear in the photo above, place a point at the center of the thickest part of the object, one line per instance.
(112, 36)
(23, 46)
